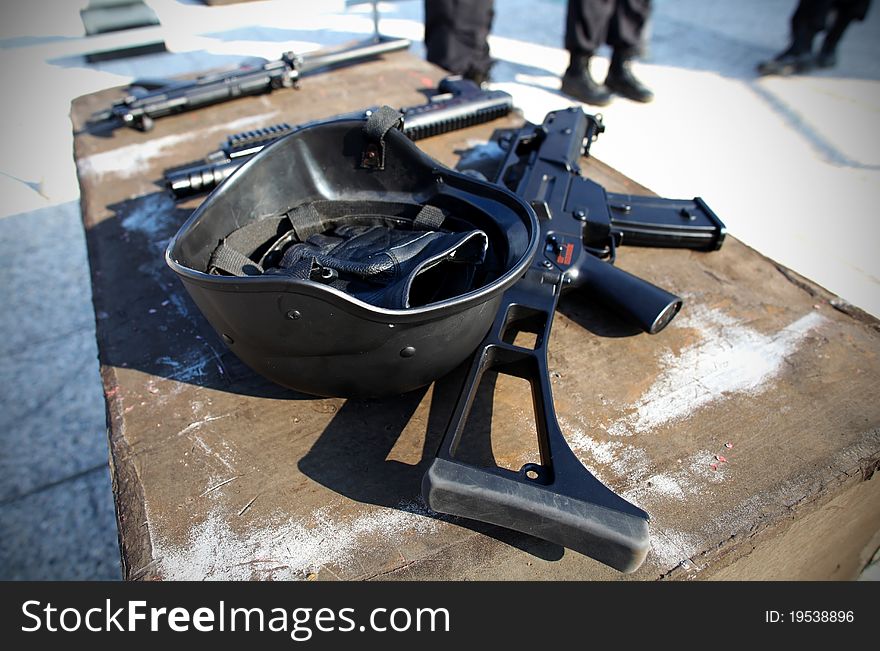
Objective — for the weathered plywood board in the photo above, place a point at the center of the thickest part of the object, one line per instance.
(220, 474)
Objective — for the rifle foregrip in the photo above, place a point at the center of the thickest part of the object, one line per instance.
(620, 540)
(651, 307)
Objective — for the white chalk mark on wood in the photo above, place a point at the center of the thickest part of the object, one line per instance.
(671, 548)
(693, 480)
(127, 161)
(207, 449)
(153, 217)
(627, 462)
(294, 547)
(732, 358)
(198, 424)
(131, 160)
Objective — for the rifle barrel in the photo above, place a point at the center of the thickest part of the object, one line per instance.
(353, 54)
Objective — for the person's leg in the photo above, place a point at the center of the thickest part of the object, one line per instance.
(440, 41)
(456, 33)
(847, 12)
(625, 37)
(810, 18)
(586, 29)
(586, 25)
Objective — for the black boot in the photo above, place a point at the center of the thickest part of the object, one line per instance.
(797, 58)
(826, 59)
(579, 83)
(788, 63)
(622, 81)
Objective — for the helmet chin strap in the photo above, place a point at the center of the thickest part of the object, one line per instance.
(379, 123)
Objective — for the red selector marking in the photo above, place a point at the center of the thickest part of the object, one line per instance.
(565, 258)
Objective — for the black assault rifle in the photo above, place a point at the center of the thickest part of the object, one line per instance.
(581, 227)
(460, 103)
(151, 99)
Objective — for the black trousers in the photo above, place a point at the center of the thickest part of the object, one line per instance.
(619, 23)
(456, 33)
(811, 17)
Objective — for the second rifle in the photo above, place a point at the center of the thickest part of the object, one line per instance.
(151, 99)
(460, 103)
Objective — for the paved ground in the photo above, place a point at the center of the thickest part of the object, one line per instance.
(792, 165)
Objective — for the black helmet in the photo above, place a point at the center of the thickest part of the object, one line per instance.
(343, 261)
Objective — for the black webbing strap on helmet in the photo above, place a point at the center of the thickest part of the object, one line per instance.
(233, 262)
(380, 122)
(233, 256)
(229, 258)
(372, 250)
(430, 218)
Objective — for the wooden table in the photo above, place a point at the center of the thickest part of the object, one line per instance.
(747, 429)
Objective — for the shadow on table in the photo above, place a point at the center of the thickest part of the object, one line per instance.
(351, 457)
(145, 320)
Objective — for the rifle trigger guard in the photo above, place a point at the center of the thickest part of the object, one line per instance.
(612, 248)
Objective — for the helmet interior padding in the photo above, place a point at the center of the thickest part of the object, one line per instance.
(392, 255)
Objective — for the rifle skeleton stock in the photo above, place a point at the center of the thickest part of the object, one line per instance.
(460, 103)
(151, 99)
(581, 225)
